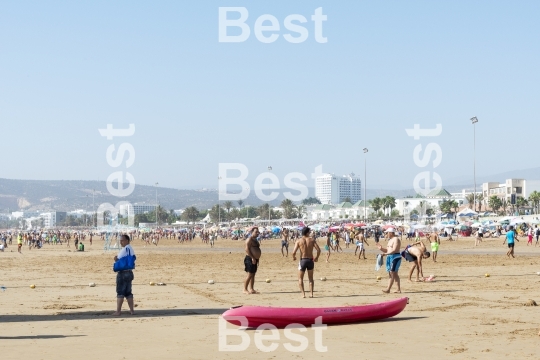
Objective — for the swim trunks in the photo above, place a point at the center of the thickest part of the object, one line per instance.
(284, 243)
(327, 248)
(434, 246)
(510, 245)
(249, 266)
(306, 264)
(393, 261)
(360, 245)
(408, 256)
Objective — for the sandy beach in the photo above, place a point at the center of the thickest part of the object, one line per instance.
(461, 315)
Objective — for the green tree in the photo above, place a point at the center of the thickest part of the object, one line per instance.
(470, 200)
(521, 202)
(227, 205)
(376, 204)
(495, 203)
(347, 199)
(190, 214)
(534, 199)
(216, 213)
(289, 210)
(264, 211)
(446, 206)
(480, 201)
(310, 201)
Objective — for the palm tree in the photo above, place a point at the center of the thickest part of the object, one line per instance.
(505, 205)
(240, 203)
(534, 198)
(227, 205)
(390, 202)
(190, 214)
(470, 200)
(454, 205)
(288, 209)
(521, 202)
(495, 203)
(376, 204)
(480, 201)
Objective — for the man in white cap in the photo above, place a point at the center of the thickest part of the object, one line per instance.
(393, 259)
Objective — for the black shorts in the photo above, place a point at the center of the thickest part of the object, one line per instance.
(306, 264)
(480, 235)
(410, 257)
(510, 245)
(249, 267)
(284, 243)
(123, 284)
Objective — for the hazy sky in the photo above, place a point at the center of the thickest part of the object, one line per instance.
(70, 68)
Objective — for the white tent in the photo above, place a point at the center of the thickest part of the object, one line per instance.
(467, 213)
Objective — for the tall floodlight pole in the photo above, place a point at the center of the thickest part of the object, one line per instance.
(94, 206)
(269, 209)
(219, 204)
(365, 177)
(474, 120)
(156, 207)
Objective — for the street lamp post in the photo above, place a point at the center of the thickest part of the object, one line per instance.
(156, 207)
(219, 203)
(474, 120)
(94, 207)
(365, 177)
(269, 208)
(86, 212)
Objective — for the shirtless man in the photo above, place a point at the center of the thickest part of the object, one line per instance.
(251, 261)
(360, 240)
(307, 262)
(393, 259)
(285, 242)
(415, 255)
(435, 241)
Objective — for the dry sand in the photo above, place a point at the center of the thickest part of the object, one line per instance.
(462, 315)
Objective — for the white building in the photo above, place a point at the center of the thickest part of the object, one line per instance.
(24, 214)
(136, 209)
(519, 187)
(332, 189)
(345, 210)
(433, 200)
(50, 219)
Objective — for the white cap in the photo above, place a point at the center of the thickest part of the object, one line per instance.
(390, 230)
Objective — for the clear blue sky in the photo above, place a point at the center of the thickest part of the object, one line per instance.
(69, 68)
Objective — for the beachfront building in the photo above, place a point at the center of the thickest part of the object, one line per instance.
(344, 210)
(50, 219)
(332, 189)
(136, 209)
(24, 214)
(518, 187)
(432, 201)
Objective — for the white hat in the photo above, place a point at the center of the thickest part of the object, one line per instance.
(390, 230)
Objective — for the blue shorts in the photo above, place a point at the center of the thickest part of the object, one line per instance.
(393, 261)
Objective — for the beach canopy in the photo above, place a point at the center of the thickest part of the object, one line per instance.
(467, 213)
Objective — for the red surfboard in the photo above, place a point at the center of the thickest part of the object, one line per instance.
(254, 316)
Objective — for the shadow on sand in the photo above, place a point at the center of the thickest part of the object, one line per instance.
(37, 337)
(92, 315)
